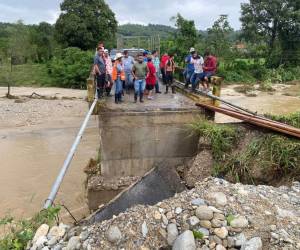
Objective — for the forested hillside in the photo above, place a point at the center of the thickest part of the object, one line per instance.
(143, 30)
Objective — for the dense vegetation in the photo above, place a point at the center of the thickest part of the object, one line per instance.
(266, 158)
(19, 232)
(265, 50)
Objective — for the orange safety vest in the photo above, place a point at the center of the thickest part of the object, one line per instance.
(115, 73)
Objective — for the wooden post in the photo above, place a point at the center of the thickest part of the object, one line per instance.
(217, 82)
(91, 89)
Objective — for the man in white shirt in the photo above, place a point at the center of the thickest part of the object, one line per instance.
(198, 62)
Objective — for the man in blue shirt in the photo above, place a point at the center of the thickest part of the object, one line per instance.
(189, 70)
(100, 71)
(128, 62)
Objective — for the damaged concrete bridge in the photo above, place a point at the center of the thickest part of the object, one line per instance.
(135, 138)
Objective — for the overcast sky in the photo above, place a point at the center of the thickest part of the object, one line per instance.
(203, 12)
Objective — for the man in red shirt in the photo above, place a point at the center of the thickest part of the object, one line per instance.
(209, 68)
(162, 65)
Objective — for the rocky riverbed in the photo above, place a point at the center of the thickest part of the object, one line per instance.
(214, 215)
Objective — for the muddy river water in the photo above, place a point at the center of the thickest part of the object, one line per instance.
(30, 161)
(31, 156)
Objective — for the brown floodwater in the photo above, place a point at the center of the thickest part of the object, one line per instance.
(31, 157)
(277, 103)
(30, 160)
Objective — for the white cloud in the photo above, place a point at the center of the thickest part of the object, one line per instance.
(203, 12)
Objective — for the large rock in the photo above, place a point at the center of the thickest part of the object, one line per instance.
(73, 243)
(219, 199)
(239, 240)
(42, 231)
(252, 244)
(56, 232)
(193, 222)
(204, 213)
(113, 234)
(172, 233)
(41, 242)
(198, 202)
(221, 232)
(185, 241)
(239, 222)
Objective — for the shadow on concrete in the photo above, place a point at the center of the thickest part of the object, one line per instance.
(158, 184)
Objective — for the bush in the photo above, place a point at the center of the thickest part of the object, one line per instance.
(17, 233)
(222, 137)
(71, 68)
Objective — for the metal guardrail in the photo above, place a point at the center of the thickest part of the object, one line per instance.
(69, 158)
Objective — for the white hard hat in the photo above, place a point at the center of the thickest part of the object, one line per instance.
(118, 56)
(192, 50)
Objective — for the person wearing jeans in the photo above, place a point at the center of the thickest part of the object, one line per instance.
(156, 64)
(100, 71)
(118, 76)
(198, 73)
(139, 72)
(128, 63)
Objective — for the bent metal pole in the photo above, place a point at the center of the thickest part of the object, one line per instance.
(68, 160)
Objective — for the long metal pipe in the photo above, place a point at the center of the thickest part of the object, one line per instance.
(254, 120)
(255, 114)
(69, 158)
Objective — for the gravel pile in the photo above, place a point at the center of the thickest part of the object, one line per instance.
(214, 215)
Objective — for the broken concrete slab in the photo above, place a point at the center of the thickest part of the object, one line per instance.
(158, 184)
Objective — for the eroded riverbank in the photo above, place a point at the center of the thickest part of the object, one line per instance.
(36, 134)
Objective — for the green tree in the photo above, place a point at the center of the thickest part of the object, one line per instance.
(71, 68)
(83, 23)
(186, 35)
(42, 39)
(218, 39)
(277, 22)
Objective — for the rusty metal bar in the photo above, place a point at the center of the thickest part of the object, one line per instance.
(256, 120)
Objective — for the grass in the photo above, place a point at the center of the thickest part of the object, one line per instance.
(25, 75)
(198, 235)
(17, 233)
(222, 137)
(230, 218)
(266, 159)
(291, 119)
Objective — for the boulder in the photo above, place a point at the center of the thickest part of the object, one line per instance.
(185, 241)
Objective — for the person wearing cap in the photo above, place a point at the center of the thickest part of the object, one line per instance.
(139, 72)
(128, 62)
(99, 70)
(189, 70)
(118, 76)
(109, 81)
(145, 54)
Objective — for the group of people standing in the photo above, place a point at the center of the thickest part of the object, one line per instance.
(143, 72)
(125, 72)
(199, 70)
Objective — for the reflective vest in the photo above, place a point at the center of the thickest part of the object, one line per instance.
(115, 73)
